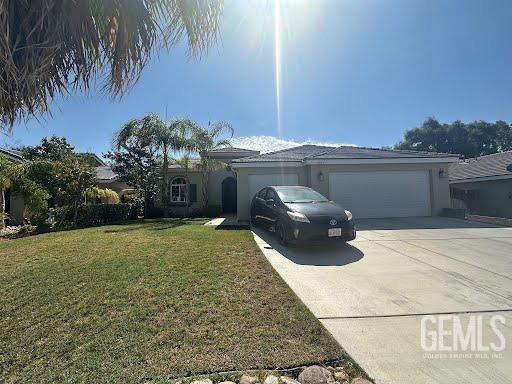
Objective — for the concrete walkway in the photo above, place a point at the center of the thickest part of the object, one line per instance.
(373, 293)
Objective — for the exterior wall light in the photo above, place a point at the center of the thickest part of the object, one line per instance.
(441, 173)
(320, 176)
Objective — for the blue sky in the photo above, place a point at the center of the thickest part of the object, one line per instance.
(352, 71)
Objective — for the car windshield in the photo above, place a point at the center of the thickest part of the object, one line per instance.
(300, 195)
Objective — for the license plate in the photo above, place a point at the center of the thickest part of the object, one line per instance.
(332, 232)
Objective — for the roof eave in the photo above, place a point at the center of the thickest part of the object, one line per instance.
(390, 160)
(481, 178)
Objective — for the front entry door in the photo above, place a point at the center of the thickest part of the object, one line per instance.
(229, 195)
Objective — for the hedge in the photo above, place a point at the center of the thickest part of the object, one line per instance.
(96, 214)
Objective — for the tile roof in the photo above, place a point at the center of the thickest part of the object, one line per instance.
(232, 149)
(349, 152)
(498, 164)
(290, 154)
(320, 152)
(105, 173)
(11, 154)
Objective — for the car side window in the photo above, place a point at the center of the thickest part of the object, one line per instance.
(262, 193)
(271, 195)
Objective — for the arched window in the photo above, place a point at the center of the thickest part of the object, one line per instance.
(179, 190)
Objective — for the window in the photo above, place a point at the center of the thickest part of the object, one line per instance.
(262, 193)
(179, 190)
(271, 195)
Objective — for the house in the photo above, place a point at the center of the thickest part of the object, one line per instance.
(14, 205)
(483, 185)
(370, 182)
(185, 185)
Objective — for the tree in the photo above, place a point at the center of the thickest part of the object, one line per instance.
(52, 47)
(137, 166)
(206, 140)
(53, 149)
(18, 177)
(75, 177)
(152, 132)
(473, 139)
(5, 183)
(49, 159)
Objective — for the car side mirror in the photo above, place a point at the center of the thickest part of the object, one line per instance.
(271, 202)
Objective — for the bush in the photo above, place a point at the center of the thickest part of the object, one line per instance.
(102, 196)
(98, 214)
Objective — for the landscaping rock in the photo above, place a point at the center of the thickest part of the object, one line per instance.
(360, 380)
(227, 382)
(341, 376)
(316, 375)
(248, 379)
(287, 380)
(271, 379)
(202, 381)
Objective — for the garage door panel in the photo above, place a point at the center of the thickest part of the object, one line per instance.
(382, 194)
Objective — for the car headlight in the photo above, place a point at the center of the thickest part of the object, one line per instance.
(297, 216)
(349, 214)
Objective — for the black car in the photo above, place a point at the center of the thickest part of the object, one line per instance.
(300, 214)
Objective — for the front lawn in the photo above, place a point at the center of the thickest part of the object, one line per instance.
(142, 301)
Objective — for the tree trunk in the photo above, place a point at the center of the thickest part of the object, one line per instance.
(75, 213)
(2, 208)
(205, 189)
(165, 187)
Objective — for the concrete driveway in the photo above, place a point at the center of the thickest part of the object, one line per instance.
(373, 294)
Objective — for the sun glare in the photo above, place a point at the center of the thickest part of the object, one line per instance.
(277, 54)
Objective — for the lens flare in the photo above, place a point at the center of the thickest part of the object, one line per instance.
(277, 54)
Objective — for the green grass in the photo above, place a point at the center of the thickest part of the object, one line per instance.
(143, 301)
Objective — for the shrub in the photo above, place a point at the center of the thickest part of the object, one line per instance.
(97, 214)
(102, 196)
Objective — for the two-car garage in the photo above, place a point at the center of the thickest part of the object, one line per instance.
(382, 193)
(370, 182)
(366, 194)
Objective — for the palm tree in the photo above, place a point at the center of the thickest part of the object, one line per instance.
(49, 47)
(206, 140)
(152, 132)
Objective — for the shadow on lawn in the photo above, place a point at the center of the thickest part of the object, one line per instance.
(150, 225)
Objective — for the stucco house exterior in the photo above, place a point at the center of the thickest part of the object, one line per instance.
(483, 185)
(370, 182)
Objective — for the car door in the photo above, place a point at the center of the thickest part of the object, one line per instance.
(258, 209)
(271, 210)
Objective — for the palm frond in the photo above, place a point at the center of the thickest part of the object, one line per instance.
(52, 47)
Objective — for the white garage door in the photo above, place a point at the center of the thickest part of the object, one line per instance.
(257, 182)
(382, 194)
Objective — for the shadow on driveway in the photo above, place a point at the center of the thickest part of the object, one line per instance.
(330, 254)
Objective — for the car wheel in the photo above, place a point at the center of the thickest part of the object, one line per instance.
(281, 234)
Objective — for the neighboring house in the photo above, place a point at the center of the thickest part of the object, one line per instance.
(370, 182)
(483, 185)
(14, 205)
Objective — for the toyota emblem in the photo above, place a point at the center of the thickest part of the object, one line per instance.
(333, 222)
